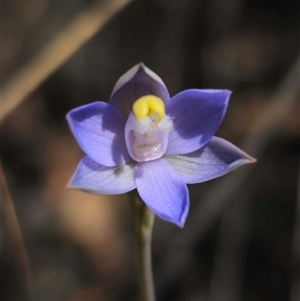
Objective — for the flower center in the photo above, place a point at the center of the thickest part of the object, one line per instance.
(148, 106)
(147, 129)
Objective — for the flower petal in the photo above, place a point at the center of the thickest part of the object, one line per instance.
(163, 190)
(196, 115)
(98, 179)
(99, 129)
(217, 158)
(135, 83)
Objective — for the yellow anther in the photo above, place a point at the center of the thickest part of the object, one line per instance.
(147, 106)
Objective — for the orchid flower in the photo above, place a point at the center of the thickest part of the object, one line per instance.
(143, 139)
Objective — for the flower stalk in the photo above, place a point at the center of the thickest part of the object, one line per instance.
(143, 224)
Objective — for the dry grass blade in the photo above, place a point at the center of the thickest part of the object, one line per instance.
(57, 52)
(295, 287)
(14, 234)
(211, 207)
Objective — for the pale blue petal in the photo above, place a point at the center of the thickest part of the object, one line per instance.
(196, 115)
(217, 158)
(163, 190)
(98, 179)
(99, 130)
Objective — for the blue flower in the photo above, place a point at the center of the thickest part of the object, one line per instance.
(146, 140)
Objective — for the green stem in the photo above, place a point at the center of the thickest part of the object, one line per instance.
(143, 222)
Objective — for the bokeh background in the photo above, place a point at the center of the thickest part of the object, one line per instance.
(240, 239)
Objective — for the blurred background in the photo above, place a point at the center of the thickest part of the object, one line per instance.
(240, 241)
